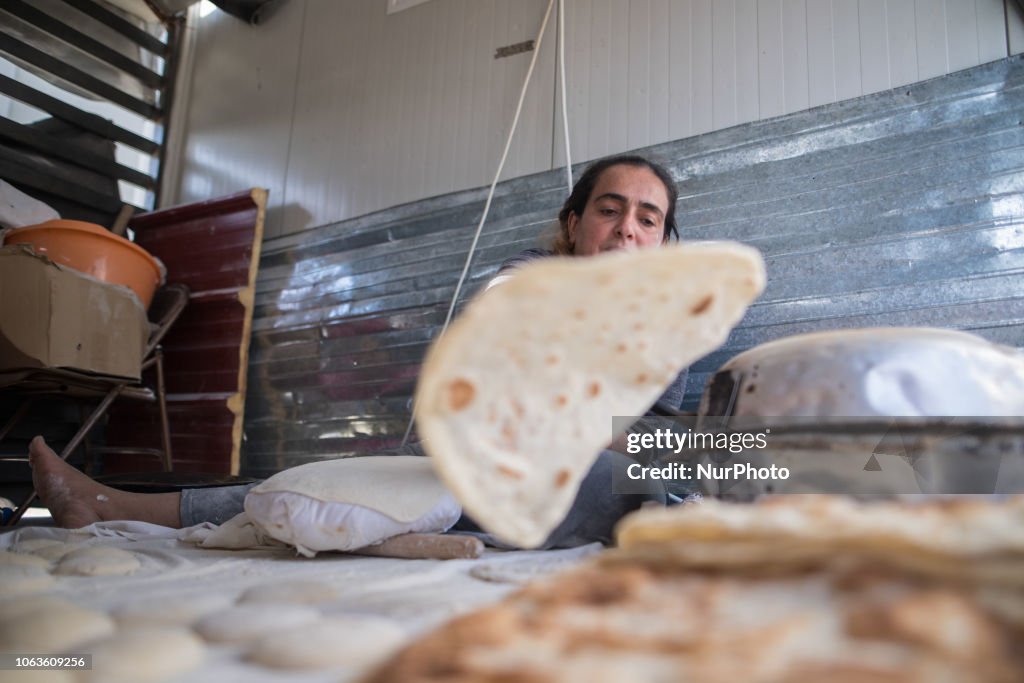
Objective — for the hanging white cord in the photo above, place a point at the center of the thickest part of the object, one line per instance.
(490, 196)
(561, 73)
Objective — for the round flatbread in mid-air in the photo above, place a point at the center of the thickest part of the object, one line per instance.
(516, 400)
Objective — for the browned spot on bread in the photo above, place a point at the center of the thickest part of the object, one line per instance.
(561, 401)
(641, 345)
(621, 348)
(641, 378)
(551, 360)
(639, 326)
(562, 478)
(460, 394)
(936, 619)
(702, 305)
(579, 314)
(508, 432)
(518, 409)
(594, 389)
(510, 472)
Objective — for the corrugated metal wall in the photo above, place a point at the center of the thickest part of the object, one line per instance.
(341, 109)
(900, 208)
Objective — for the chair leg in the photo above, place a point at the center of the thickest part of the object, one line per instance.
(161, 395)
(16, 418)
(97, 413)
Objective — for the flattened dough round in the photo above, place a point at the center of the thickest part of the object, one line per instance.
(48, 548)
(351, 641)
(248, 622)
(97, 561)
(169, 611)
(24, 559)
(144, 655)
(19, 579)
(515, 401)
(52, 627)
(295, 592)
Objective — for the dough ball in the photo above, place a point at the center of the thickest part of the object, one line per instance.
(19, 579)
(39, 676)
(144, 655)
(298, 592)
(51, 627)
(522, 572)
(97, 561)
(48, 548)
(32, 545)
(350, 641)
(248, 622)
(170, 611)
(15, 607)
(25, 559)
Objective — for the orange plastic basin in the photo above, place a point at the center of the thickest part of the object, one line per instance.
(95, 250)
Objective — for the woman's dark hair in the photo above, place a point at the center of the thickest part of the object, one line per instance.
(583, 188)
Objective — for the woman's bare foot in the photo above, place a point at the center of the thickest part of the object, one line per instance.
(75, 500)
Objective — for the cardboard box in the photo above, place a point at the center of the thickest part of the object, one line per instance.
(52, 316)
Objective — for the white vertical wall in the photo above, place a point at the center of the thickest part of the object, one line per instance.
(341, 109)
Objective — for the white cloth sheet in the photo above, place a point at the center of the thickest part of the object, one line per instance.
(416, 595)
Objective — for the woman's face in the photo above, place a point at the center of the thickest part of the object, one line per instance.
(626, 210)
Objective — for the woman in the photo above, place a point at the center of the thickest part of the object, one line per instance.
(619, 203)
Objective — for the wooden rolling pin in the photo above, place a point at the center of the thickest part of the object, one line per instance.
(426, 547)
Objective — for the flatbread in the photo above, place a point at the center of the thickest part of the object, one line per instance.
(801, 589)
(636, 623)
(516, 400)
(973, 541)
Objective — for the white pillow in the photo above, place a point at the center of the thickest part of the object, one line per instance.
(349, 503)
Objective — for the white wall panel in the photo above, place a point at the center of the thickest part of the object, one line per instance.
(341, 109)
(821, 63)
(962, 19)
(847, 49)
(992, 28)
(661, 68)
(747, 79)
(795, 82)
(621, 92)
(680, 77)
(723, 63)
(902, 42)
(239, 118)
(770, 69)
(873, 30)
(932, 38)
(701, 55)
